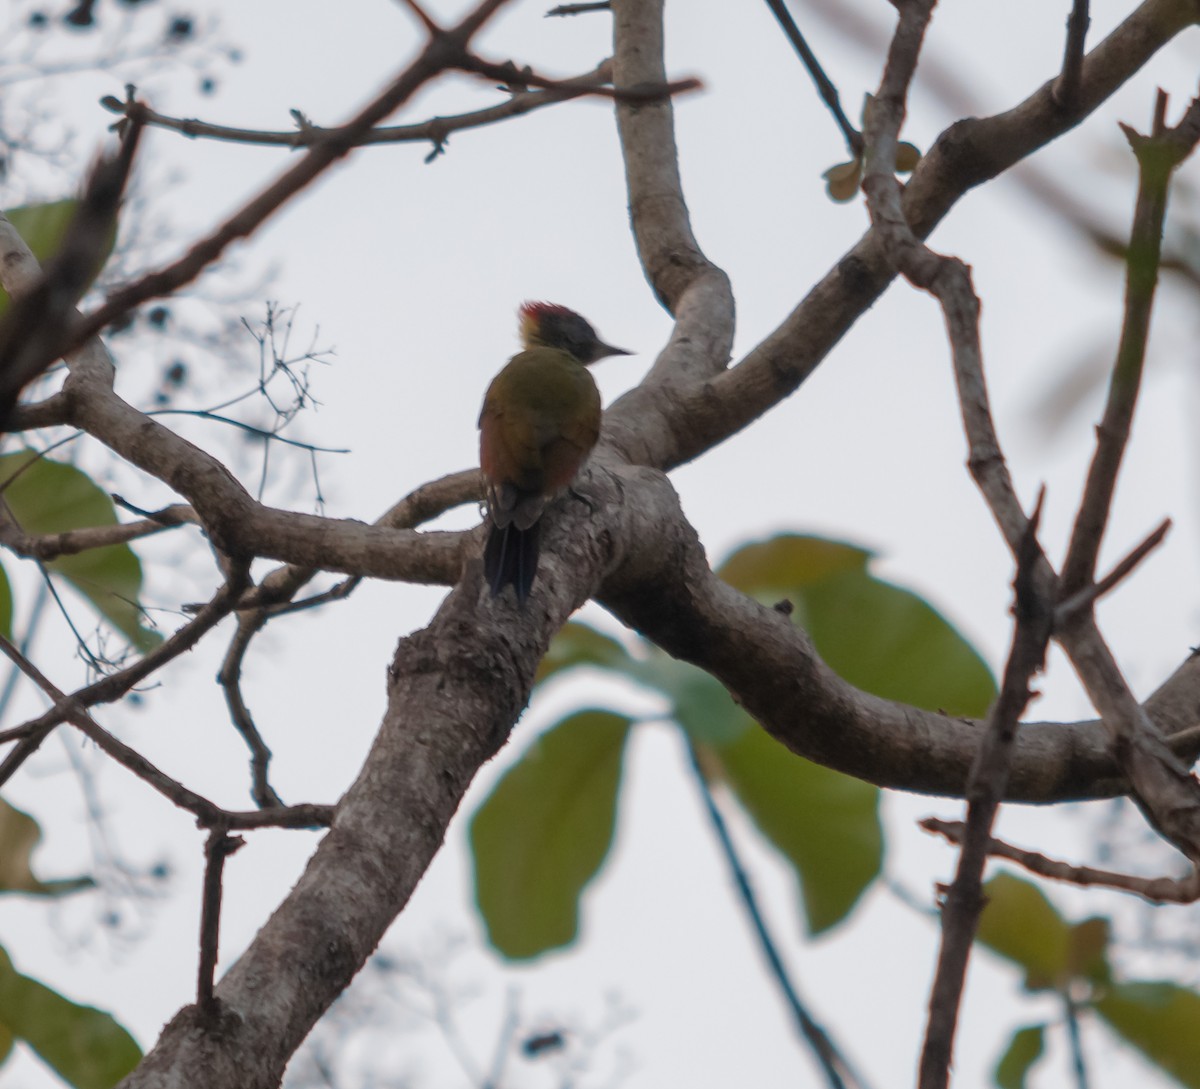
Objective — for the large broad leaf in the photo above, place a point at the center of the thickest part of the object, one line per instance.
(544, 832)
(43, 227)
(49, 497)
(1024, 1049)
(1021, 924)
(879, 637)
(1161, 1020)
(84, 1046)
(825, 823)
(19, 835)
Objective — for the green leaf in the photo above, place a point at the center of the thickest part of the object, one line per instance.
(1087, 950)
(579, 645)
(879, 637)
(43, 227)
(699, 702)
(84, 1046)
(825, 823)
(1160, 1020)
(6, 605)
(545, 830)
(49, 497)
(1024, 1049)
(19, 835)
(1020, 924)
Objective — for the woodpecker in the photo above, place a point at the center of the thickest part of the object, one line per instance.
(540, 420)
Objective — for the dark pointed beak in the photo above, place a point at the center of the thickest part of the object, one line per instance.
(603, 351)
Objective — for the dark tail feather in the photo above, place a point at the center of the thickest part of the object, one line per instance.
(511, 559)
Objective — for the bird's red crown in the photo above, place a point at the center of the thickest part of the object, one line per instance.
(533, 314)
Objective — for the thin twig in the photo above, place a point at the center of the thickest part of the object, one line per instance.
(436, 130)
(838, 1072)
(580, 9)
(1158, 890)
(947, 278)
(1157, 155)
(207, 813)
(1091, 594)
(1162, 785)
(825, 87)
(509, 75)
(963, 901)
(425, 19)
(1066, 87)
(229, 678)
(50, 546)
(1071, 1016)
(217, 849)
(115, 685)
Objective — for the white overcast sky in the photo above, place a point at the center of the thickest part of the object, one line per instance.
(412, 273)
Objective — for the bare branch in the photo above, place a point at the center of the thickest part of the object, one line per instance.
(217, 849)
(1066, 87)
(678, 271)
(666, 590)
(681, 426)
(229, 678)
(1158, 890)
(1087, 597)
(580, 9)
(824, 85)
(963, 901)
(519, 79)
(49, 546)
(1158, 155)
(435, 130)
(116, 685)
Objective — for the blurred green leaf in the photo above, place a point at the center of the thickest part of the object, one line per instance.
(84, 1046)
(1161, 1020)
(544, 831)
(879, 637)
(825, 823)
(6, 605)
(699, 702)
(19, 835)
(1024, 1049)
(580, 645)
(48, 497)
(43, 227)
(1020, 924)
(1087, 950)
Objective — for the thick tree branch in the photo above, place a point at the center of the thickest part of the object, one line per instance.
(679, 425)
(663, 588)
(693, 290)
